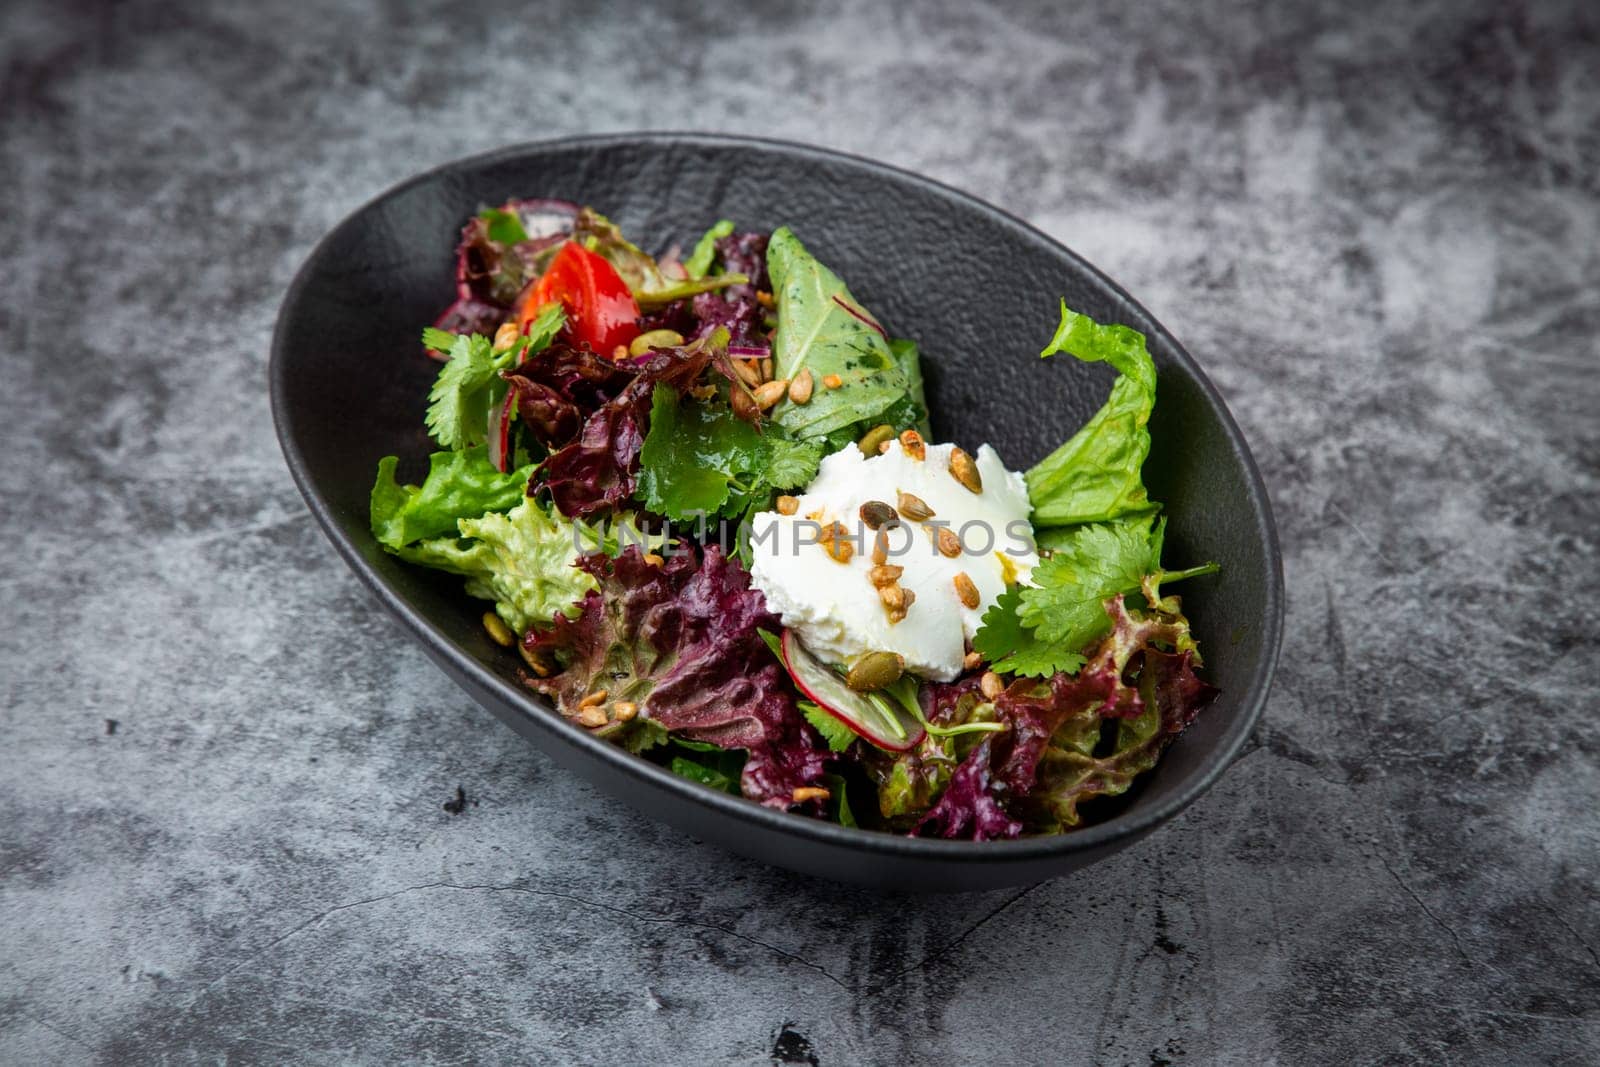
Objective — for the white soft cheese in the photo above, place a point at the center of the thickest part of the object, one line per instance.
(834, 607)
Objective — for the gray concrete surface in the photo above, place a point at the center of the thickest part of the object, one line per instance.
(1379, 231)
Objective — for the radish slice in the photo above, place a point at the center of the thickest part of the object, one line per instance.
(500, 433)
(894, 729)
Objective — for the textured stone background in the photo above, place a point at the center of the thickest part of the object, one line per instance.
(1380, 232)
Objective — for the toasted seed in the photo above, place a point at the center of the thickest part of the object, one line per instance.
(538, 662)
(624, 710)
(990, 685)
(702, 392)
(884, 574)
(966, 590)
(914, 507)
(912, 442)
(875, 437)
(965, 471)
(875, 670)
(893, 596)
(653, 559)
(748, 371)
(837, 543)
(594, 699)
(769, 393)
(971, 661)
(506, 336)
(788, 505)
(832, 381)
(743, 406)
(876, 514)
(591, 716)
(651, 340)
(880, 548)
(766, 368)
(804, 793)
(619, 353)
(499, 632)
(800, 388)
(949, 544)
(763, 298)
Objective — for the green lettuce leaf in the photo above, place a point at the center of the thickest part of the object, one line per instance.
(459, 485)
(469, 387)
(916, 416)
(705, 249)
(821, 327)
(1095, 476)
(529, 571)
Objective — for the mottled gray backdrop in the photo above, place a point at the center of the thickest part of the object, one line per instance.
(1380, 233)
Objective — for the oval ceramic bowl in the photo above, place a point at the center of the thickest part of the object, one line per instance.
(975, 287)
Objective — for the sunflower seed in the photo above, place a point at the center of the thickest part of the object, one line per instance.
(914, 507)
(966, 590)
(800, 388)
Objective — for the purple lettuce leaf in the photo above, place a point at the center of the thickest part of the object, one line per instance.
(970, 807)
(558, 388)
(678, 639)
(736, 307)
(598, 470)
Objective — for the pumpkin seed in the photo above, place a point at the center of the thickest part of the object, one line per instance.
(963, 470)
(884, 574)
(875, 437)
(651, 340)
(914, 507)
(875, 670)
(499, 632)
(880, 548)
(877, 514)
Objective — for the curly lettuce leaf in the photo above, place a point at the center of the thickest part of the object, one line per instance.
(459, 485)
(821, 327)
(528, 569)
(469, 387)
(1096, 475)
(680, 640)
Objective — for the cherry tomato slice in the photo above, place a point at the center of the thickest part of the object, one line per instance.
(601, 312)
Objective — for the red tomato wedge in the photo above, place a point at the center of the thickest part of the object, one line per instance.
(601, 312)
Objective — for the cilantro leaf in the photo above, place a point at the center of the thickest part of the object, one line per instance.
(1095, 476)
(1066, 606)
(1012, 648)
(705, 249)
(838, 736)
(692, 454)
(469, 386)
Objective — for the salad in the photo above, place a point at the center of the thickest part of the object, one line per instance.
(701, 494)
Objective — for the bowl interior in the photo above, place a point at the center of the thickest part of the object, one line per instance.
(977, 289)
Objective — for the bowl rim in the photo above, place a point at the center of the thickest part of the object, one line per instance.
(1124, 825)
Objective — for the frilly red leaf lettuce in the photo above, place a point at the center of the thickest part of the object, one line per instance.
(735, 307)
(679, 640)
(598, 470)
(558, 388)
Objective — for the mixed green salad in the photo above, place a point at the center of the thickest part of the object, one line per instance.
(699, 491)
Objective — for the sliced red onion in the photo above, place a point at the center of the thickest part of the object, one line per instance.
(863, 316)
(749, 351)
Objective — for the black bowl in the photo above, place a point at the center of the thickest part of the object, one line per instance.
(977, 288)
